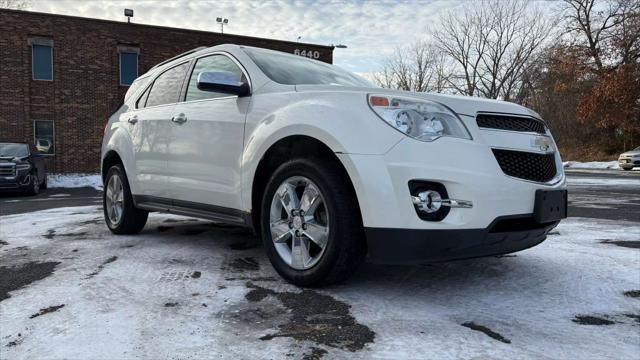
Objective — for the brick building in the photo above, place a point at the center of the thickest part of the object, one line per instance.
(62, 76)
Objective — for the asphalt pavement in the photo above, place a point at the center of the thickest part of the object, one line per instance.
(599, 194)
(16, 203)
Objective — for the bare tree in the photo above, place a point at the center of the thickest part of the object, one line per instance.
(15, 4)
(491, 42)
(601, 26)
(419, 67)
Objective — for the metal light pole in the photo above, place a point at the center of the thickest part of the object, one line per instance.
(129, 14)
(222, 22)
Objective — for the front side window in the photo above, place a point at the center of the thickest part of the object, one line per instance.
(296, 70)
(128, 67)
(140, 103)
(211, 63)
(42, 62)
(44, 136)
(166, 88)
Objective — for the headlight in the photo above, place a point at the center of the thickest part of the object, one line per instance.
(423, 120)
(26, 166)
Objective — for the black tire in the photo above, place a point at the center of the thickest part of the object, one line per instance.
(346, 246)
(133, 219)
(627, 168)
(43, 185)
(34, 186)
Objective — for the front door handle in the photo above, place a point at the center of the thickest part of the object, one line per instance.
(179, 119)
(133, 119)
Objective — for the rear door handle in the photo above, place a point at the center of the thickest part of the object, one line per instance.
(179, 119)
(133, 119)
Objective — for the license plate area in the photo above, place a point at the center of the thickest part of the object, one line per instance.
(550, 205)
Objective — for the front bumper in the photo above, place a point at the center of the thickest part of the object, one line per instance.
(410, 246)
(468, 170)
(628, 162)
(17, 183)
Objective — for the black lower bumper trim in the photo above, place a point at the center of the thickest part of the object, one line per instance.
(409, 246)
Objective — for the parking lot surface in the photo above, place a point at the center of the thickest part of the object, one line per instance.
(186, 288)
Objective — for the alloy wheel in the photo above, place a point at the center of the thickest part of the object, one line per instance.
(299, 223)
(114, 199)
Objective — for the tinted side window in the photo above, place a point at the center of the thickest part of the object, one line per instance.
(166, 88)
(211, 63)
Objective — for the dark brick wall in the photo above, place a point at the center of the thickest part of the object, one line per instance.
(85, 89)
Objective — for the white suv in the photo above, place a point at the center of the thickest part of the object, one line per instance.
(327, 168)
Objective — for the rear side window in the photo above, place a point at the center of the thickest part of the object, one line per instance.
(166, 88)
(211, 63)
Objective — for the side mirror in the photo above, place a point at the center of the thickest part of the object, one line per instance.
(222, 81)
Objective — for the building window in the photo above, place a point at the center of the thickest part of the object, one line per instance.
(42, 61)
(128, 65)
(43, 132)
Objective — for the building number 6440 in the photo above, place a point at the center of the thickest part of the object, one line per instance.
(307, 53)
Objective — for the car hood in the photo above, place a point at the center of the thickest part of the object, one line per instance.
(630, 153)
(462, 105)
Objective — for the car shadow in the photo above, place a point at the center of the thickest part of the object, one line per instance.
(511, 270)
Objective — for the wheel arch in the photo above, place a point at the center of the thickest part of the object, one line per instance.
(110, 158)
(286, 148)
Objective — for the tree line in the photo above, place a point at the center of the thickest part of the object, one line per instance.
(577, 65)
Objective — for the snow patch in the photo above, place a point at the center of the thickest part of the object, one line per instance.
(591, 165)
(74, 181)
(532, 298)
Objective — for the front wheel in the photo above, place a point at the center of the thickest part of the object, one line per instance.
(34, 188)
(311, 223)
(121, 216)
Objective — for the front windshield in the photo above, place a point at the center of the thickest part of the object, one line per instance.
(296, 70)
(14, 150)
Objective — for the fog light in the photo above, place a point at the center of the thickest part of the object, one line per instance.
(431, 201)
(428, 201)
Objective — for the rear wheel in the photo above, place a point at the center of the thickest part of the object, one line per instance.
(311, 223)
(121, 216)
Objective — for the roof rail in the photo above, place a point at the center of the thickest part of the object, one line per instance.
(179, 56)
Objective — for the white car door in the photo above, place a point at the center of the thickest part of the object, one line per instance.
(150, 126)
(207, 141)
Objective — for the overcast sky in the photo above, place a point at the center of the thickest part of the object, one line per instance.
(370, 29)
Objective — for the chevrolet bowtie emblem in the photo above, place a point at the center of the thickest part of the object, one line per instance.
(541, 142)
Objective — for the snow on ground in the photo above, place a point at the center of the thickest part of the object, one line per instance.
(591, 165)
(74, 181)
(187, 288)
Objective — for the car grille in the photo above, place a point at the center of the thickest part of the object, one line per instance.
(526, 165)
(511, 123)
(8, 170)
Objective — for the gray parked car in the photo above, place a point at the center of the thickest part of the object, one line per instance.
(630, 159)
